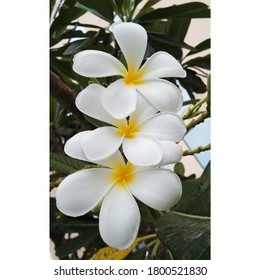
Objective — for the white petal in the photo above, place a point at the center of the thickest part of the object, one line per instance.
(164, 95)
(89, 102)
(157, 188)
(172, 152)
(91, 63)
(143, 110)
(132, 39)
(160, 65)
(164, 126)
(73, 146)
(101, 143)
(142, 150)
(113, 161)
(119, 218)
(119, 99)
(78, 193)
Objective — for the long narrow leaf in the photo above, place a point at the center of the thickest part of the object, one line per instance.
(187, 10)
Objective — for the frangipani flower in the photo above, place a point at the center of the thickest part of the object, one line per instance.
(147, 138)
(116, 184)
(121, 96)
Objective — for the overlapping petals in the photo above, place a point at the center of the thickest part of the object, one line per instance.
(141, 136)
(116, 185)
(120, 98)
(139, 115)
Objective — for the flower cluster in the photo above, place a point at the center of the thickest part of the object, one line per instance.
(139, 110)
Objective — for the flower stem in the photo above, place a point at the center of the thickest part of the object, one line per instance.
(155, 248)
(197, 150)
(195, 108)
(56, 183)
(149, 245)
(199, 120)
(153, 235)
(94, 81)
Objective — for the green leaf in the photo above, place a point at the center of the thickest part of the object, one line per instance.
(68, 35)
(187, 10)
(169, 41)
(67, 13)
(161, 45)
(52, 5)
(138, 255)
(147, 8)
(179, 168)
(193, 83)
(67, 224)
(205, 45)
(168, 256)
(96, 122)
(203, 62)
(72, 245)
(64, 164)
(137, 2)
(186, 237)
(178, 27)
(145, 213)
(195, 198)
(100, 8)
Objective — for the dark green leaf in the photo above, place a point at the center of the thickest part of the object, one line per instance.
(205, 45)
(165, 46)
(170, 41)
(193, 83)
(150, 3)
(186, 237)
(137, 2)
(52, 5)
(72, 225)
(68, 35)
(63, 69)
(202, 62)
(63, 65)
(67, 13)
(192, 101)
(196, 195)
(77, 45)
(100, 8)
(157, 27)
(178, 27)
(96, 122)
(72, 245)
(179, 168)
(138, 255)
(145, 212)
(64, 164)
(187, 10)
(147, 8)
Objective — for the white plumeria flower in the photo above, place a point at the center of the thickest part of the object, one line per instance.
(121, 96)
(115, 185)
(147, 138)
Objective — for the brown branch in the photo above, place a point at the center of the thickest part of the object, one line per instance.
(66, 96)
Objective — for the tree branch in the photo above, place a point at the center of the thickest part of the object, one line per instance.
(66, 96)
(197, 150)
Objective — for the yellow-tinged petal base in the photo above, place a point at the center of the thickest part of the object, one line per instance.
(123, 174)
(133, 78)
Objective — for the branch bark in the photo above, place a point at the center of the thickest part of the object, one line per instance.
(66, 96)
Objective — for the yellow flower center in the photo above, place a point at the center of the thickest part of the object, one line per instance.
(123, 175)
(132, 77)
(128, 130)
